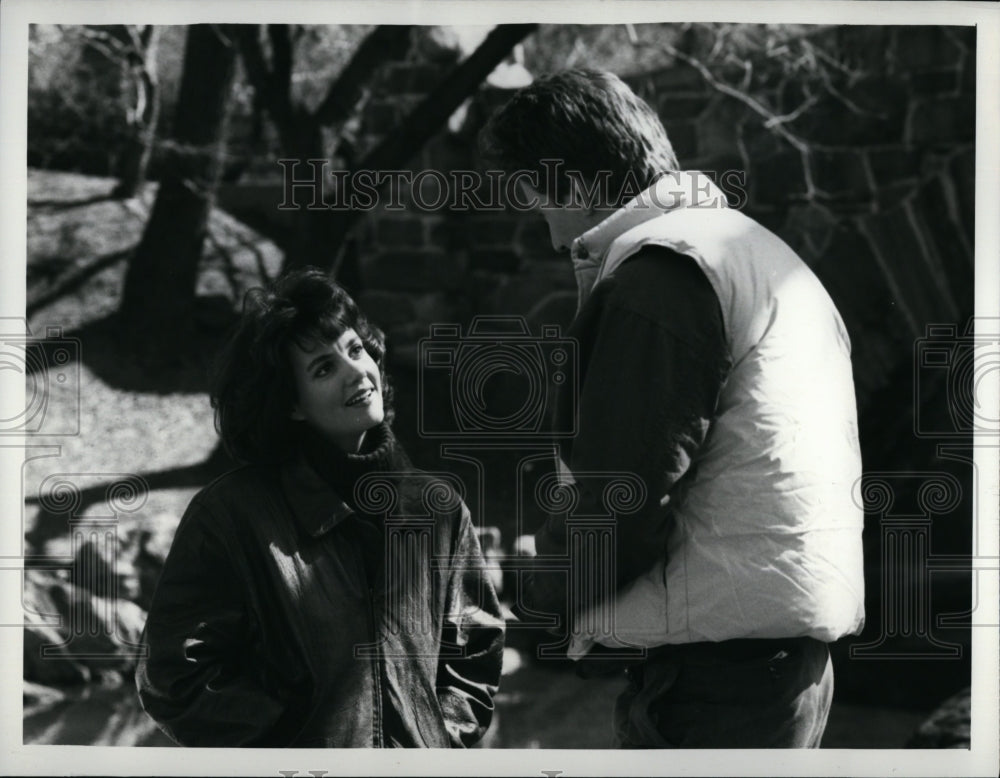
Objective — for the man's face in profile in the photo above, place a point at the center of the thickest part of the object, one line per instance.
(566, 222)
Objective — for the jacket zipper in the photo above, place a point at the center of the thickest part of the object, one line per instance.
(376, 674)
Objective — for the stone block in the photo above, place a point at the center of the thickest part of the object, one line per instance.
(447, 153)
(491, 230)
(430, 189)
(935, 215)
(433, 307)
(850, 272)
(780, 178)
(683, 138)
(380, 116)
(675, 107)
(484, 289)
(925, 48)
(841, 176)
(890, 165)
(807, 230)
(413, 270)
(410, 77)
(894, 195)
(717, 129)
(967, 77)
(675, 78)
(863, 46)
(935, 82)
(387, 309)
(497, 260)
(962, 170)
(943, 121)
(770, 217)
(881, 119)
(399, 231)
(902, 254)
(446, 232)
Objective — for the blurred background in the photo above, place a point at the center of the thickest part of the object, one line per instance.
(156, 198)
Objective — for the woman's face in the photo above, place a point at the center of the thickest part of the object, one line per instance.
(339, 389)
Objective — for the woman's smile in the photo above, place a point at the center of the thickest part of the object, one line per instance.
(363, 396)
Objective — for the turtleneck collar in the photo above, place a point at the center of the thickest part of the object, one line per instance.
(319, 481)
(681, 189)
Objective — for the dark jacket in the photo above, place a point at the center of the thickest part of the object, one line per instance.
(276, 622)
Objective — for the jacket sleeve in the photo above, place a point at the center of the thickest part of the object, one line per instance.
(653, 360)
(196, 681)
(471, 644)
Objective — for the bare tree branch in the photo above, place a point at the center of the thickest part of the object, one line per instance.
(383, 43)
(281, 61)
(266, 87)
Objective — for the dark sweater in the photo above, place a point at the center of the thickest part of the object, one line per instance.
(653, 358)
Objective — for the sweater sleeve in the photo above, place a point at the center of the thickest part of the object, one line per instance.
(653, 360)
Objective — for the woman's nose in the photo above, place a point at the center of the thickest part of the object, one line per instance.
(354, 368)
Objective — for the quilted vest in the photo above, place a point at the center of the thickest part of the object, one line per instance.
(766, 541)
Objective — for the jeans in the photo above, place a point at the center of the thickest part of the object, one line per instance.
(736, 694)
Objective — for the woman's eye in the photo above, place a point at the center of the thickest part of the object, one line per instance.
(321, 371)
(356, 350)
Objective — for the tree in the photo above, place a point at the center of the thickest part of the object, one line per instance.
(159, 290)
(299, 129)
(143, 112)
(328, 231)
(420, 125)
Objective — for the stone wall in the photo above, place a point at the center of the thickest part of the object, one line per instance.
(878, 201)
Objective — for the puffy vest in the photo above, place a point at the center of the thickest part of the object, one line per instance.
(766, 541)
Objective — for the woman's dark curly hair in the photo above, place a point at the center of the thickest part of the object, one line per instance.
(253, 391)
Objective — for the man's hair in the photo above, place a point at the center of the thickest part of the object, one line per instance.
(590, 121)
(253, 389)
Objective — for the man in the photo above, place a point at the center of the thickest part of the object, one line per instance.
(716, 369)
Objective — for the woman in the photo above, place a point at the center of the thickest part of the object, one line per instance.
(325, 594)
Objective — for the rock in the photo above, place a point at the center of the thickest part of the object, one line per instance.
(154, 536)
(948, 726)
(72, 635)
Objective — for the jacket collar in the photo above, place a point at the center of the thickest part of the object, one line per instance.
(319, 480)
(315, 505)
(681, 189)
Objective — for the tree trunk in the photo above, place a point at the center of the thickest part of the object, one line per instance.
(143, 117)
(159, 291)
